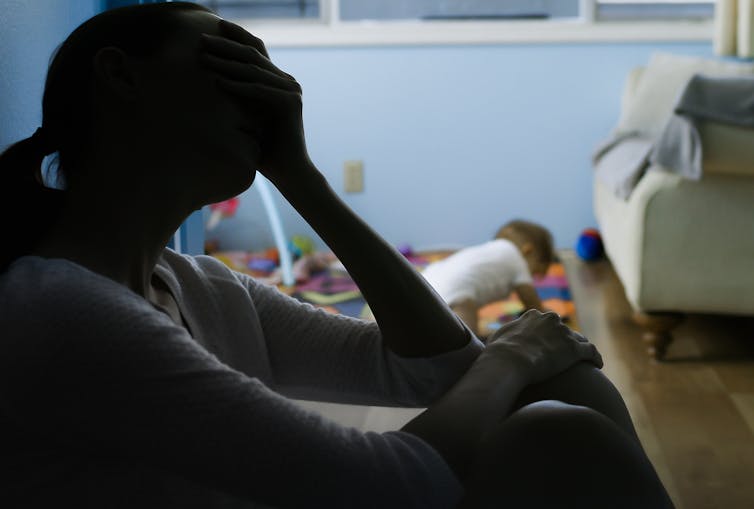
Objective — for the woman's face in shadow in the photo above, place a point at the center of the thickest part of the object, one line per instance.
(193, 124)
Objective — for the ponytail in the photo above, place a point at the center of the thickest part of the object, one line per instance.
(27, 207)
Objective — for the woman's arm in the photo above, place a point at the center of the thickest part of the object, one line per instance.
(317, 355)
(527, 351)
(413, 319)
(99, 382)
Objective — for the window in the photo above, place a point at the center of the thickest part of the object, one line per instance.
(265, 9)
(391, 10)
(647, 10)
(385, 22)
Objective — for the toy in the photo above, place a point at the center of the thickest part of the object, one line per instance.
(272, 254)
(261, 264)
(229, 207)
(589, 245)
(221, 210)
(300, 245)
(304, 267)
(405, 250)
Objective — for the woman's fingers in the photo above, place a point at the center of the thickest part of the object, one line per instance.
(260, 92)
(238, 34)
(238, 71)
(244, 58)
(589, 352)
(242, 38)
(232, 50)
(579, 337)
(553, 322)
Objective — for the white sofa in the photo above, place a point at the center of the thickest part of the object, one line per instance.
(679, 245)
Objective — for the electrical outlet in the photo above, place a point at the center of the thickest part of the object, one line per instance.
(353, 176)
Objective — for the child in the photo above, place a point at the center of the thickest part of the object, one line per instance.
(484, 273)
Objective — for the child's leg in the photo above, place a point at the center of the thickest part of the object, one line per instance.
(550, 454)
(467, 311)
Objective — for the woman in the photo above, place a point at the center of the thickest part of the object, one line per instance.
(133, 376)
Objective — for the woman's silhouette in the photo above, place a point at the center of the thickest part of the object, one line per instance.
(133, 376)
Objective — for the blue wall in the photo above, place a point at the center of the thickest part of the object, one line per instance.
(29, 33)
(455, 140)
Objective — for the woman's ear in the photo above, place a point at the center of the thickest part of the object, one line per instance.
(115, 73)
(527, 248)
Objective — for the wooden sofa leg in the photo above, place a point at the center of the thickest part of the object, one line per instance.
(657, 331)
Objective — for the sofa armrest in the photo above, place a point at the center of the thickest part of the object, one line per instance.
(677, 244)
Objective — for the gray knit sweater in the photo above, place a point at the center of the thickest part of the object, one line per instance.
(105, 402)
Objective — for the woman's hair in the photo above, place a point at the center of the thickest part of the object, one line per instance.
(26, 203)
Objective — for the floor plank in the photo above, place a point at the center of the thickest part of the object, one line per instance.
(695, 411)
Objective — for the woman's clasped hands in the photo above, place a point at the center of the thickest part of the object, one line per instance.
(542, 345)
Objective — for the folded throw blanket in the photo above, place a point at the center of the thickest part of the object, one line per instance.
(622, 159)
(726, 100)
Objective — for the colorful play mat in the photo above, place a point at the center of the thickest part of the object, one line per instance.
(333, 289)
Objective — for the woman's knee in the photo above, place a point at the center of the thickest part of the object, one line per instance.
(550, 449)
(542, 435)
(582, 385)
(554, 424)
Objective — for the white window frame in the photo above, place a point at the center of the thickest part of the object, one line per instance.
(330, 30)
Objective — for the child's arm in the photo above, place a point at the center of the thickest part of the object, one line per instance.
(528, 296)
(468, 311)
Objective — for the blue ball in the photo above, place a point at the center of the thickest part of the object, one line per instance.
(589, 247)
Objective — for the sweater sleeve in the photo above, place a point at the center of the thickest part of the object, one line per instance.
(96, 369)
(318, 355)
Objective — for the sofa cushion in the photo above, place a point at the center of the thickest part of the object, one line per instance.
(727, 149)
(652, 100)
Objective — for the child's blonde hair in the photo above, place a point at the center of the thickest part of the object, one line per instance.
(520, 231)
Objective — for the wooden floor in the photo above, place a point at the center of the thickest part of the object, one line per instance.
(694, 412)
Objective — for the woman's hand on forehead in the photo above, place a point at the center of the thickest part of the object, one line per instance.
(237, 45)
(239, 35)
(270, 97)
(243, 63)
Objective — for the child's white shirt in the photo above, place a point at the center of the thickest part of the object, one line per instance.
(483, 273)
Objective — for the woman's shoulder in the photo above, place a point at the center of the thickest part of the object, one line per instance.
(33, 288)
(51, 305)
(34, 276)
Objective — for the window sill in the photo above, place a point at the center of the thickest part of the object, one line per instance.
(303, 34)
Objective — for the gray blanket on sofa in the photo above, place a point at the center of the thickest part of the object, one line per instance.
(622, 160)
(704, 99)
